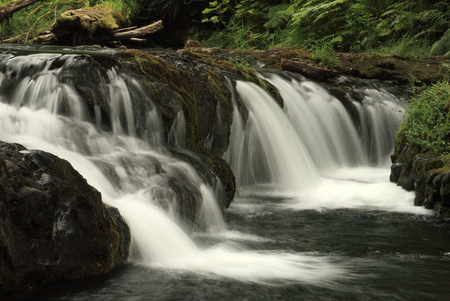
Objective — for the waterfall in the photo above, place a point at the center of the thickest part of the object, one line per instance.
(349, 149)
(380, 114)
(45, 111)
(322, 123)
(315, 125)
(114, 141)
(268, 150)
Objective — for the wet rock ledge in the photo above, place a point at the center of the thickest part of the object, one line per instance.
(425, 174)
(53, 224)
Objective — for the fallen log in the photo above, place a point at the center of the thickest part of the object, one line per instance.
(138, 32)
(124, 29)
(11, 7)
(307, 69)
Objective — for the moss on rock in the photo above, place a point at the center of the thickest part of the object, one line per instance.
(192, 84)
(90, 25)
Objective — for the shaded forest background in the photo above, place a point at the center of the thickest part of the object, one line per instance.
(396, 27)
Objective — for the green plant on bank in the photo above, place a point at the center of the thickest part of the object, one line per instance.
(442, 46)
(325, 55)
(427, 121)
(245, 69)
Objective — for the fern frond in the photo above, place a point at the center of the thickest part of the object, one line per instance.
(276, 16)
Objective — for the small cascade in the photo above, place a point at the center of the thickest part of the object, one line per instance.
(265, 146)
(321, 121)
(380, 115)
(127, 160)
(210, 216)
(268, 150)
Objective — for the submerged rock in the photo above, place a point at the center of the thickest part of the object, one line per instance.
(53, 224)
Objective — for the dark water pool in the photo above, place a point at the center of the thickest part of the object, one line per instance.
(388, 256)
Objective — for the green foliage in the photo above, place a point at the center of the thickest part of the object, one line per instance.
(124, 7)
(399, 27)
(325, 55)
(427, 121)
(27, 23)
(246, 23)
(407, 46)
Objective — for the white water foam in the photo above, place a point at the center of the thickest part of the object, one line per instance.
(360, 188)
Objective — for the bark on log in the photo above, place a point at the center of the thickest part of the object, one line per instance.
(124, 29)
(138, 32)
(308, 70)
(13, 6)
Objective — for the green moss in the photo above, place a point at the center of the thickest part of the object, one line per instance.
(175, 79)
(107, 19)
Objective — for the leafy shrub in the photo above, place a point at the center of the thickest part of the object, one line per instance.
(427, 121)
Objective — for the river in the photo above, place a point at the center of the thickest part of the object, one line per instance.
(314, 218)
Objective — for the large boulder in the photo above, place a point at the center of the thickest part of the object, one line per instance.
(53, 224)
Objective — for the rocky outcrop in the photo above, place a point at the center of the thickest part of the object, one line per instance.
(53, 224)
(425, 174)
(190, 84)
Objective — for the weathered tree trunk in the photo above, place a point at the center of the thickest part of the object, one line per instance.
(13, 6)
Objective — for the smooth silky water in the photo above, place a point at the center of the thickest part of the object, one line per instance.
(304, 225)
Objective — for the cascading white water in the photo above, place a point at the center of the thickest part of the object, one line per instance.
(129, 164)
(343, 153)
(268, 150)
(322, 123)
(380, 115)
(132, 173)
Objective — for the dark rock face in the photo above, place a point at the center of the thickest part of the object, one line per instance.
(423, 173)
(53, 224)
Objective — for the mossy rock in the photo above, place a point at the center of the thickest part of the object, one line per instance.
(190, 84)
(86, 26)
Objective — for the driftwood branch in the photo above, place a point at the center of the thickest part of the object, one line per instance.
(16, 39)
(138, 32)
(11, 7)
